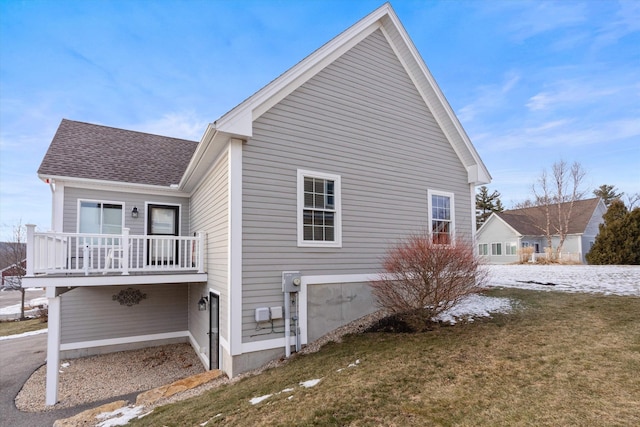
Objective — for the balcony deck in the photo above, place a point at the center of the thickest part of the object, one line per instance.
(101, 259)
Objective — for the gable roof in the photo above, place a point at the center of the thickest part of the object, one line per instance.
(239, 121)
(124, 155)
(531, 221)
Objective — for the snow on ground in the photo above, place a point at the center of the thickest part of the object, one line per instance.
(475, 306)
(602, 279)
(15, 309)
(24, 334)
(119, 417)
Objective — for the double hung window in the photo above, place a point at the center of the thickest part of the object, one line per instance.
(441, 216)
(319, 213)
(483, 249)
(511, 248)
(496, 249)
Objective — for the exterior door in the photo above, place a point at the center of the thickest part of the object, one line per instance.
(214, 331)
(163, 222)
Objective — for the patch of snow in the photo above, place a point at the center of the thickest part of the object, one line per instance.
(287, 390)
(257, 400)
(65, 365)
(25, 334)
(290, 397)
(601, 279)
(310, 383)
(119, 417)
(15, 308)
(475, 306)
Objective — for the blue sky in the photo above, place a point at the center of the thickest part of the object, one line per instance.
(532, 82)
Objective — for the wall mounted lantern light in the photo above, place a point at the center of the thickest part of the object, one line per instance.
(134, 212)
(202, 304)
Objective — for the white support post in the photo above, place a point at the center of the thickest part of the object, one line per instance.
(200, 247)
(53, 346)
(124, 262)
(31, 228)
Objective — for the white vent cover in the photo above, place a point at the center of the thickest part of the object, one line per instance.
(262, 314)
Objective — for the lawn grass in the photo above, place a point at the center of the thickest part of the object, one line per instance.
(13, 327)
(559, 359)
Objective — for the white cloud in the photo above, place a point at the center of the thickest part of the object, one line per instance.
(538, 17)
(187, 125)
(627, 21)
(489, 98)
(573, 93)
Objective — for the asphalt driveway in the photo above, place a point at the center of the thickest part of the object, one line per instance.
(19, 358)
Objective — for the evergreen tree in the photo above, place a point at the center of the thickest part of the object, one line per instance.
(618, 241)
(486, 204)
(608, 193)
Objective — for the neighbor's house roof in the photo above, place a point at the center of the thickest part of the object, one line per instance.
(531, 221)
(95, 152)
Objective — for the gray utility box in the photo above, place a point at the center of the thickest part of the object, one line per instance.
(291, 281)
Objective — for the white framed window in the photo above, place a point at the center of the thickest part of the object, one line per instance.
(483, 249)
(319, 210)
(441, 216)
(511, 248)
(100, 217)
(496, 249)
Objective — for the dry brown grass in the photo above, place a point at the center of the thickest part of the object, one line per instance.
(561, 359)
(13, 327)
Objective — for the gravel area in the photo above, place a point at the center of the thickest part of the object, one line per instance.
(94, 378)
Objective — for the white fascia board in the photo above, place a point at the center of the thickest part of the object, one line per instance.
(491, 219)
(239, 121)
(47, 281)
(126, 187)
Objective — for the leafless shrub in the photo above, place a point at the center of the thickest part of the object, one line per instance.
(43, 313)
(525, 254)
(424, 278)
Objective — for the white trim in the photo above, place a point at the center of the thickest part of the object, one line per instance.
(203, 357)
(452, 208)
(123, 340)
(53, 347)
(337, 243)
(57, 206)
(47, 281)
(235, 247)
(122, 187)
(267, 344)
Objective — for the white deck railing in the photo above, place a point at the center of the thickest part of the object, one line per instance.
(64, 253)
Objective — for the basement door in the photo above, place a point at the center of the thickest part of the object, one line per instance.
(214, 331)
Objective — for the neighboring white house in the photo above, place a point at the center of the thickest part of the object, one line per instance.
(264, 235)
(503, 235)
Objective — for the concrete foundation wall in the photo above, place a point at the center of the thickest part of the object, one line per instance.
(330, 306)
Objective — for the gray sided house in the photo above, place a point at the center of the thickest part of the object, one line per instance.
(503, 236)
(262, 236)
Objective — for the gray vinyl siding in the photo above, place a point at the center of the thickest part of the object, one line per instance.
(363, 119)
(90, 313)
(135, 225)
(210, 214)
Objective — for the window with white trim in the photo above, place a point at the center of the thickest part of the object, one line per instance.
(483, 249)
(441, 216)
(319, 216)
(511, 248)
(96, 217)
(496, 249)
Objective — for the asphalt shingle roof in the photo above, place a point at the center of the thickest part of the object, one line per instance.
(531, 221)
(84, 150)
